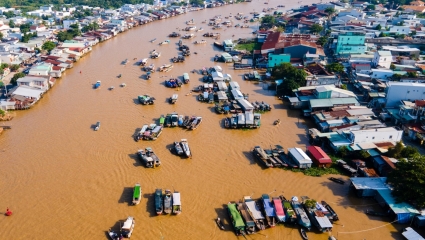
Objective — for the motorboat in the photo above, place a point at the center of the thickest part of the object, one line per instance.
(173, 98)
(97, 85)
(178, 148)
(137, 194)
(177, 206)
(97, 126)
(128, 227)
(113, 235)
(168, 202)
(185, 147)
(219, 223)
(159, 206)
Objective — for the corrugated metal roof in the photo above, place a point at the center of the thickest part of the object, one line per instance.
(314, 103)
(319, 154)
(300, 155)
(396, 207)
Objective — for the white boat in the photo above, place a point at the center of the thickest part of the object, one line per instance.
(113, 235)
(186, 148)
(96, 128)
(128, 227)
(123, 84)
(177, 206)
(200, 42)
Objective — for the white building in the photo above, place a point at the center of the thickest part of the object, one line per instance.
(40, 83)
(388, 134)
(400, 29)
(383, 59)
(353, 12)
(381, 73)
(399, 91)
(68, 23)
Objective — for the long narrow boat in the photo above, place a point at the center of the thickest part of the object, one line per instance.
(177, 206)
(255, 212)
(168, 207)
(268, 210)
(137, 194)
(278, 208)
(236, 219)
(250, 224)
(159, 206)
(302, 217)
(291, 217)
(196, 123)
(262, 157)
(317, 218)
(155, 159)
(332, 214)
(185, 147)
(178, 149)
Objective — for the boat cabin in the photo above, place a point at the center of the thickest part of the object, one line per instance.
(234, 86)
(299, 157)
(319, 157)
(246, 106)
(186, 77)
(222, 96)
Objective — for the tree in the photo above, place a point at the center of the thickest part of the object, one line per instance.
(322, 40)
(343, 151)
(11, 24)
(292, 77)
(408, 181)
(335, 67)
(197, 2)
(4, 65)
(14, 67)
(379, 27)
(370, 7)
(9, 14)
(395, 151)
(409, 152)
(268, 20)
(344, 86)
(25, 28)
(412, 74)
(16, 77)
(48, 46)
(26, 37)
(280, 29)
(392, 66)
(330, 11)
(316, 28)
(1, 35)
(383, 34)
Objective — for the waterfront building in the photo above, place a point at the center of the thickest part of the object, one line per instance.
(351, 43)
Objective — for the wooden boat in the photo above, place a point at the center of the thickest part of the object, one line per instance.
(155, 55)
(125, 62)
(146, 99)
(178, 149)
(97, 85)
(167, 122)
(147, 161)
(150, 154)
(155, 133)
(97, 126)
(277, 122)
(8, 212)
(141, 132)
(137, 194)
(174, 34)
(219, 223)
(217, 44)
(336, 180)
(227, 123)
(249, 222)
(186, 121)
(331, 213)
(153, 40)
(302, 218)
(111, 88)
(150, 68)
(262, 157)
(123, 85)
(185, 146)
(128, 227)
(374, 213)
(236, 219)
(159, 206)
(273, 156)
(173, 99)
(254, 210)
(113, 235)
(164, 42)
(303, 234)
(174, 120)
(196, 123)
(177, 206)
(148, 75)
(278, 209)
(317, 218)
(189, 123)
(143, 62)
(200, 42)
(291, 217)
(180, 121)
(186, 78)
(168, 207)
(119, 76)
(268, 210)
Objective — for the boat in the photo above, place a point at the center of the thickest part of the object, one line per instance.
(155, 54)
(164, 42)
(185, 147)
(97, 126)
(97, 85)
(278, 209)
(190, 121)
(291, 217)
(374, 213)
(159, 206)
(141, 132)
(336, 180)
(143, 62)
(218, 109)
(8, 212)
(178, 149)
(111, 88)
(226, 123)
(302, 218)
(146, 99)
(331, 213)
(196, 123)
(173, 99)
(191, 28)
(161, 120)
(181, 120)
(186, 121)
(273, 155)
(148, 75)
(128, 227)
(277, 122)
(249, 222)
(268, 210)
(255, 212)
(168, 207)
(303, 234)
(165, 68)
(125, 62)
(190, 22)
(185, 77)
(123, 85)
(177, 206)
(219, 223)
(150, 68)
(146, 160)
(236, 219)
(188, 36)
(153, 40)
(217, 44)
(150, 154)
(113, 235)
(262, 157)
(174, 34)
(137, 194)
(167, 122)
(155, 133)
(200, 42)
(317, 218)
(119, 76)
(174, 120)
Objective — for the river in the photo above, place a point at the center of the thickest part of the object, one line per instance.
(65, 181)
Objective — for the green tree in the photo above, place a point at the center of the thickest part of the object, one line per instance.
(268, 20)
(25, 28)
(330, 11)
(9, 14)
(316, 28)
(11, 24)
(370, 7)
(292, 78)
(26, 37)
(408, 181)
(395, 151)
(344, 86)
(335, 67)
(310, 203)
(409, 152)
(197, 2)
(62, 36)
(383, 34)
(280, 29)
(392, 66)
(343, 151)
(4, 65)
(14, 67)
(322, 40)
(48, 46)
(1, 35)
(379, 27)
(412, 74)
(16, 77)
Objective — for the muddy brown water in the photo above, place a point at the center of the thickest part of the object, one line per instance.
(65, 181)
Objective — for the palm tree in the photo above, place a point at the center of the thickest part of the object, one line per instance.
(330, 11)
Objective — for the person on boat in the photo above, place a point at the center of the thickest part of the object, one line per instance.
(8, 212)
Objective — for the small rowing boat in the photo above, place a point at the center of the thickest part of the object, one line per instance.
(336, 180)
(303, 234)
(219, 223)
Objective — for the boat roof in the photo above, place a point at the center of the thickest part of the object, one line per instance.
(238, 221)
(127, 224)
(253, 209)
(149, 159)
(324, 222)
(278, 207)
(137, 191)
(176, 199)
(185, 75)
(157, 129)
(268, 208)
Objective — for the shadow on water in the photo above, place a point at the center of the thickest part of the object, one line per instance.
(135, 158)
(224, 217)
(150, 204)
(136, 133)
(116, 227)
(252, 160)
(93, 126)
(126, 196)
(136, 101)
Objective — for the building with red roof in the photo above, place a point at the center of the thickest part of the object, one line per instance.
(319, 157)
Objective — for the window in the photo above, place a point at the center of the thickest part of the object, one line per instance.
(391, 136)
(373, 137)
(348, 39)
(408, 91)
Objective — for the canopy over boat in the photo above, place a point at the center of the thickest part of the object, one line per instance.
(238, 221)
(252, 207)
(324, 222)
(185, 76)
(176, 199)
(137, 191)
(278, 207)
(128, 223)
(268, 208)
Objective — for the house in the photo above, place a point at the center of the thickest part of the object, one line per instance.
(317, 80)
(351, 43)
(357, 13)
(234, 86)
(378, 135)
(401, 211)
(402, 91)
(415, 6)
(270, 43)
(245, 105)
(237, 94)
(277, 59)
(383, 164)
(366, 187)
(40, 83)
(227, 58)
(300, 158)
(26, 92)
(298, 48)
(228, 45)
(311, 58)
(319, 157)
(381, 73)
(68, 23)
(41, 69)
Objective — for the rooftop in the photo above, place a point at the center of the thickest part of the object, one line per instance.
(370, 183)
